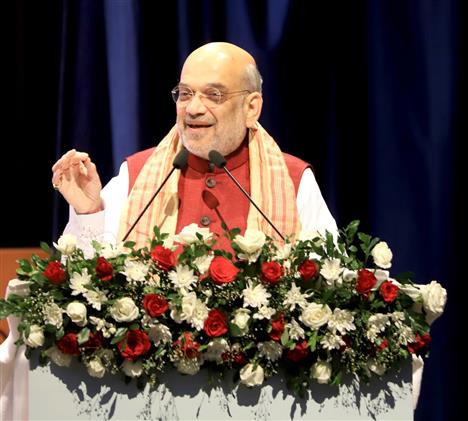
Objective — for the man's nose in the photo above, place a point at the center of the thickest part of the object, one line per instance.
(196, 105)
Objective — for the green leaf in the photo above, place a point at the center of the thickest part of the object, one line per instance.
(312, 342)
(119, 335)
(44, 246)
(83, 335)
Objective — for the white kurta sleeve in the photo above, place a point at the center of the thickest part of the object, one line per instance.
(313, 211)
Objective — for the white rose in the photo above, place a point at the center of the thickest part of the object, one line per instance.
(241, 320)
(132, 368)
(96, 368)
(160, 333)
(17, 287)
(35, 337)
(188, 235)
(321, 371)
(315, 315)
(58, 357)
(434, 298)
(77, 313)
(53, 315)
(215, 350)
(252, 375)
(252, 241)
(411, 290)
(382, 255)
(66, 244)
(124, 310)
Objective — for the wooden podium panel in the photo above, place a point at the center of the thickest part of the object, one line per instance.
(72, 394)
(8, 266)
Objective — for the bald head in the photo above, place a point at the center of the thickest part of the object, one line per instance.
(228, 60)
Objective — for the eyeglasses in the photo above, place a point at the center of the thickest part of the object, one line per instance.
(211, 97)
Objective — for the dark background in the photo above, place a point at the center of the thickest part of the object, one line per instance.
(372, 93)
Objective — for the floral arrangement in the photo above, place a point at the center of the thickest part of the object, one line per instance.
(317, 308)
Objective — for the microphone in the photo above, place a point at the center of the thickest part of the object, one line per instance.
(180, 161)
(218, 159)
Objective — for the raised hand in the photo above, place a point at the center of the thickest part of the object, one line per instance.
(75, 177)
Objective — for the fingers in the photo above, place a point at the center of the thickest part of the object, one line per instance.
(71, 165)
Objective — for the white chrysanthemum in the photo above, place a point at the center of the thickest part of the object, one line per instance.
(255, 296)
(252, 375)
(405, 335)
(270, 350)
(332, 341)
(135, 271)
(376, 324)
(203, 263)
(315, 315)
(251, 242)
(331, 270)
(341, 321)
(160, 334)
(96, 298)
(109, 251)
(96, 368)
(215, 350)
(193, 311)
(382, 255)
(58, 357)
(398, 317)
(35, 337)
(183, 278)
(77, 313)
(264, 312)
(132, 368)
(78, 282)
(283, 252)
(188, 234)
(294, 297)
(295, 330)
(53, 315)
(66, 244)
(124, 310)
(188, 366)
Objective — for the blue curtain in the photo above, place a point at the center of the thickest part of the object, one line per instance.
(368, 92)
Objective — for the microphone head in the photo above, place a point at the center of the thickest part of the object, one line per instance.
(180, 161)
(217, 159)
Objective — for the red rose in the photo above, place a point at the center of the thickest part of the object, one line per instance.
(216, 324)
(187, 345)
(308, 269)
(155, 305)
(272, 272)
(277, 328)
(134, 344)
(300, 352)
(239, 358)
(95, 341)
(69, 344)
(222, 270)
(389, 291)
(104, 269)
(366, 280)
(55, 272)
(163, 257)
(383, 345)
(420, 343)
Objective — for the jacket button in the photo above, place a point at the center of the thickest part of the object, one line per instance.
(205, 220)
(210, 182)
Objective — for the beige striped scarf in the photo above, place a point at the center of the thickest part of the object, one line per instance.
(271, 188)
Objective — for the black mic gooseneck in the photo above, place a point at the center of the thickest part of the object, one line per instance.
(180, 161)
(218, 159)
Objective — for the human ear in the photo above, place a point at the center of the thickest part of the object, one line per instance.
(253, 107)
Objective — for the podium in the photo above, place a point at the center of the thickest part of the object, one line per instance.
(58, 393)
